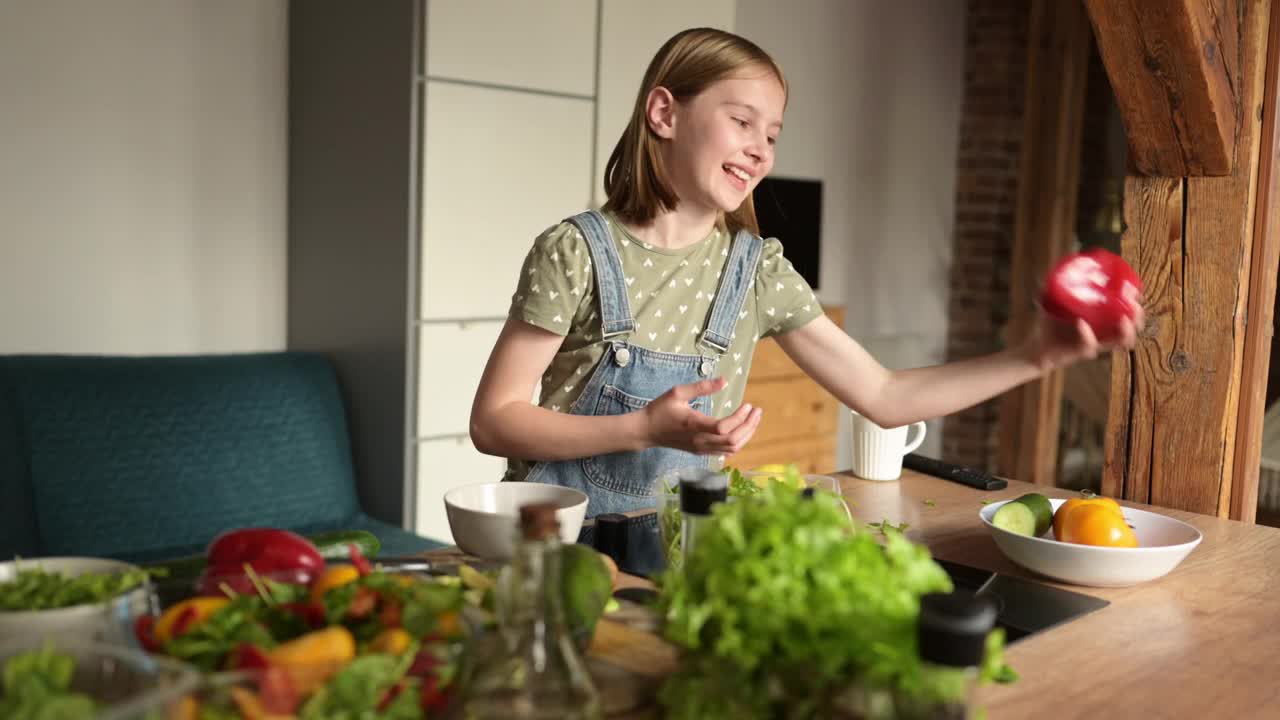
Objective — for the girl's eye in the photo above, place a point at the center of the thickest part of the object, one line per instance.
(741, 122)
(773, 141)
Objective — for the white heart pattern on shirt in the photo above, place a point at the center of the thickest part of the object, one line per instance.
(553, 294)
(568, 388)
(739, 371)
(647, 246)
(779, 286)
(639, 296)
(575, 291)
(625, 243)
(706, 263)
(724, 252)
(657, 313)
(698, 296)
(557, 319)
(790, 314)
(555, 408)
(555, 257)
(648, 262)
(534, 289)
(806, 308)
(677, 349)
(769, 312)
(683, 263)
(742, 314)
(672, 283)
(688, 282)
(530, 272)
(736, 356)
(630, 280)
(683, 308)
(672, 328)
(653, 336)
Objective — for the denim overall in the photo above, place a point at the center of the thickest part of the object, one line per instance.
(629, 377)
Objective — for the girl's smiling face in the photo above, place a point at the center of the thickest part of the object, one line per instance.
(721, 141)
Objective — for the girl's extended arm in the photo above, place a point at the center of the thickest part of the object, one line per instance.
(505, 422)
(891, 398)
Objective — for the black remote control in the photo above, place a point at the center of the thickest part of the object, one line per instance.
(955, 473)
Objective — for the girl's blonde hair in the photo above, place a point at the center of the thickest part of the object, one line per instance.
(634, 179)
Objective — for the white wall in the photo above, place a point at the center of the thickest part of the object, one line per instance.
(142, 175)
(874, 112)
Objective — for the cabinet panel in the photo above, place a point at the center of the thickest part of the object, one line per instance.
(451, 358)
(630, 33)
(544, 45)
(444, 464)
(500, 167)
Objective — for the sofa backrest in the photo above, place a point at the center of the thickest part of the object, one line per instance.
(126, 456)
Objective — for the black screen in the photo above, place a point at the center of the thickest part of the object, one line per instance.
(790, 209)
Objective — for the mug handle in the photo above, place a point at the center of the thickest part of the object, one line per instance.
(911, 446)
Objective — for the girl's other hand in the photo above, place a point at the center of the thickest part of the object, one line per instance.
(1057, 343)
(670, 422)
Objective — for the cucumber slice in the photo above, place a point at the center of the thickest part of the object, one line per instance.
(1016, 518)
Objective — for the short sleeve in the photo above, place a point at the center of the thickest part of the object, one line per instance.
(784, 299)
(553, 279)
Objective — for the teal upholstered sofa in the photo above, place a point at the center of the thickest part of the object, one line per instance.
(144, 458)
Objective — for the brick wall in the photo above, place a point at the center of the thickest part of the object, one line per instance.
(986, 195)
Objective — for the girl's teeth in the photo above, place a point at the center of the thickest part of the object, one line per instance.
(740, 174)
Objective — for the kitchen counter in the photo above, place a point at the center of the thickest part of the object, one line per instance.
(1200, 642)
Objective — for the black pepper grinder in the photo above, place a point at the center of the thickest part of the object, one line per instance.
(951, 631)
(610, 537)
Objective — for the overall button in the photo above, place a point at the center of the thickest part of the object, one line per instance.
(707, 368)
(622, 357)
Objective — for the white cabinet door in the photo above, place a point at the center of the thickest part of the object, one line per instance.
(500, 167)
(537, 44)
(451, 358)
(444, 464)
(630, 34)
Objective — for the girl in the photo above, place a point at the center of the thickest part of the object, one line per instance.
(640, 319)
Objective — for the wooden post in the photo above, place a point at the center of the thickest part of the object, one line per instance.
(1262, 293)
(1166, 59)
(1048, 175)
(1172, 430)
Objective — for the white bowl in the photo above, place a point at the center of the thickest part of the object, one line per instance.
(1163, 542)
(108, 622)
(483, 517)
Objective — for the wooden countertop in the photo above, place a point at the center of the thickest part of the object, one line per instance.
(1197, 643)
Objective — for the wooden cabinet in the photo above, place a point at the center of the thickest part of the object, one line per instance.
(801, 419)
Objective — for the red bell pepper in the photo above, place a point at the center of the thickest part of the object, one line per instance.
(144, 631)
(279, 555)
(1097, 286)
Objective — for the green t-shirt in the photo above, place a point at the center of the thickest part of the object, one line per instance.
(670, 294)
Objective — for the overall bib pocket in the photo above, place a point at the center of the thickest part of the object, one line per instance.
(633, 473)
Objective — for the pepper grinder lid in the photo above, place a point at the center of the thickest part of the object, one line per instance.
(953, 628)
(538, 521)
(701, 489)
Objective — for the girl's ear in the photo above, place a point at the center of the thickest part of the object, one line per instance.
(660, 112)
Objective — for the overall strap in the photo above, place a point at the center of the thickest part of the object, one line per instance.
(611, 286)
(735, 282)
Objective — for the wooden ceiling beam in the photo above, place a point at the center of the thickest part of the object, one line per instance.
(1171, 65)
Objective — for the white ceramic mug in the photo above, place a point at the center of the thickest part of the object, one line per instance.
(877, 451)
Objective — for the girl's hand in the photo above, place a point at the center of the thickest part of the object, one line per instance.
(1056, 343)
(669, 421)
